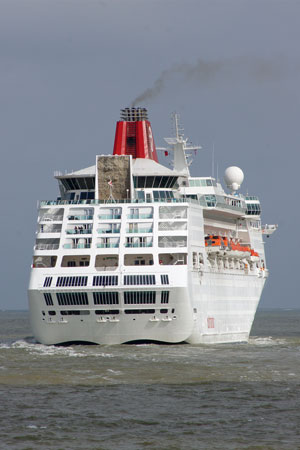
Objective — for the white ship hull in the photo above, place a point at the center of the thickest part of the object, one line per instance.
(216, 308)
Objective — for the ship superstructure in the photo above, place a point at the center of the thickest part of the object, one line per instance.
(132, 251)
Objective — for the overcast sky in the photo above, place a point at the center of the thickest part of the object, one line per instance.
(231, 68)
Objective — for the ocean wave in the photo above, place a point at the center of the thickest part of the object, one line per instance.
(267, 341)
(5, 346)
(51, 350)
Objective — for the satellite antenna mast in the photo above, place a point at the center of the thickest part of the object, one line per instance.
(181, 149)
(213, 161)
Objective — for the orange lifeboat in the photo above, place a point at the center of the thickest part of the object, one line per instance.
(216, 244)
(222, 246)
(254, 256)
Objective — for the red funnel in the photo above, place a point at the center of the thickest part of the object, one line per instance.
(134, 135)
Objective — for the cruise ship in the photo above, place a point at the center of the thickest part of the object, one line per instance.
(132, 251)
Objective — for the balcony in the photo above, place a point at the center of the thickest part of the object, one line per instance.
(46, 246)
(108, 245)
(109, 216)
(140, 230)
(47, 228)
(79, 231)
(140, 216)
(72, 217)
(74, 246)
(174, 241)
(172, 226)
(51, 218)
(138, 244)
(108, 230)
(172, 212)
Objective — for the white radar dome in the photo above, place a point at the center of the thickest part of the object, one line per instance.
(233, 176)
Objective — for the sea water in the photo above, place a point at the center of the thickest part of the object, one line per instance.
(230, 396)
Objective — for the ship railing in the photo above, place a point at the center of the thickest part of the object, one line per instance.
(106, 268)
(46, 246)
(51, 218)
(109, 216)
(222, 205)
(139, 230)
(138, 244)
(139, 216)
(175, 226)
(49, 229)
(107, 245)
(72, 217)
(217, 201)
(114, 202)
(74, 246)
(172, 243)
(174, 215)
(216, 204)
(269, 229)
(108, 230)
(79, 231)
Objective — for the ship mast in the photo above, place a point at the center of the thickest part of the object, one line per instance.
(182, 150)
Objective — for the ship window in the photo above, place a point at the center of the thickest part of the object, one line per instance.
(71, 263)
(170, 259)
(52, 313)
(48, 281)
(75, 183)
(84, 263)
(90, 181)
(164, 279)
(48, 299)
(105, 280)
(192, 196)
(139, 279)
(106, 298)
(72, 298)
(139, 311)
(164, 311)
(141, 195)
(139, 297)
(71, 281)
(253, 209)
(75, 313)
(149, 182)
(71, 184)
(104, 312)
(141, 182)
(157, 181)
(162, 195)
(164, 298)
(130, 259)
(211, 200)
(44, 261)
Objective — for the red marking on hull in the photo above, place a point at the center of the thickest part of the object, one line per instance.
(210, 322)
